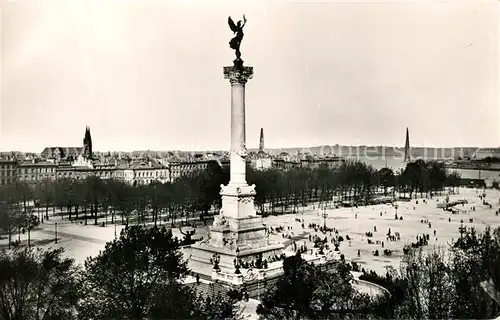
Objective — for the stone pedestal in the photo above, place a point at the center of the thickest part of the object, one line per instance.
(238, 233)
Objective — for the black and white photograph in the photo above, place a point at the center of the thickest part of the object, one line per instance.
(249, 159)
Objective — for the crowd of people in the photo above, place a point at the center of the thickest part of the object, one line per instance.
(317, 239)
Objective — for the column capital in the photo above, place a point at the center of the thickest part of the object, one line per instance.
(238, 75)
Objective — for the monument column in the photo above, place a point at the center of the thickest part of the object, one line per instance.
(238, 76)
(238, 234)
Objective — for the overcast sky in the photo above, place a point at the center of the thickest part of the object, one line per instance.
(148, 74)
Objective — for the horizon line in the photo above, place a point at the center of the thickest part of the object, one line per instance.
(257, 148)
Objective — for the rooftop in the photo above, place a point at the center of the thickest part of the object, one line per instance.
(37, 164)
(7, 161)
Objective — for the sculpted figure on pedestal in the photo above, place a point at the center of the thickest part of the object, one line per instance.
(206, 240)
(220, 221)
(242, 150)
(250, 275)
(245, 199)
(230, 241)
(236, 41)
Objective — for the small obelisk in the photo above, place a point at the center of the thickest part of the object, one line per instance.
(407, 147)
(261, 141)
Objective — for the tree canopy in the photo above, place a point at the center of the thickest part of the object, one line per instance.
(306, 292)
(137, 277)
(37, 284)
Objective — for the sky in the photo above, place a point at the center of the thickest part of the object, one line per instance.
(148, 74)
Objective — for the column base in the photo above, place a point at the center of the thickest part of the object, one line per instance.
(237, 233)
(238, 201)
(201, 254)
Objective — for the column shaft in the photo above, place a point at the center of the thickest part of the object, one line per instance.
(238, 165)
(238, 77)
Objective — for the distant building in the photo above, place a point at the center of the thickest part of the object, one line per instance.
(143, 174)
(284, 156)
(284, 162)
(181, 169)
(61, 153)
(489, 181)
(8, 172)
(124, 174)
(262, 162)
(486, 153)
(326, 162)
(81, 161)
(101, 171)
(33, 172)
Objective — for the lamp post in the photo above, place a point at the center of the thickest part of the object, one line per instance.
(115, 229)
(258, 284)
(29, 229)
(324, 214)
(55, 226)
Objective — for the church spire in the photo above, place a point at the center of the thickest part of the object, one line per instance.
(87, 144)
(407, 147)
(261, 142)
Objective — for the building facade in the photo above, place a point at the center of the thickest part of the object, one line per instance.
(262, 163)
(8, 172)
(124, 174)
(308, 162)
(181, 169)
(144, 174)
(315, 163)
(484, 153)
(82, 172)
(33, 172)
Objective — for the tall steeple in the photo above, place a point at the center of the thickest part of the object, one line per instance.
(261, 142)
(87, 144)
(407, 147)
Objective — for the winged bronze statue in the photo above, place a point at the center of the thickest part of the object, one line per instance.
(238, 30)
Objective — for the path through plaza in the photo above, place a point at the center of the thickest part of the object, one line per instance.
(73, 236)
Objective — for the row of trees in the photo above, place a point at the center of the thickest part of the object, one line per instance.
(353, 181)
(14, 210)
(137, 276)
(198, 194)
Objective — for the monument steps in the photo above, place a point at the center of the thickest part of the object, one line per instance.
(209, 289)
(255, 288)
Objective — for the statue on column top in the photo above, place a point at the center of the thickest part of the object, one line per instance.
(236, 41)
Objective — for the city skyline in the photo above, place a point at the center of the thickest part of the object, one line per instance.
(149, 76)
